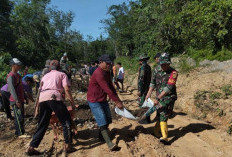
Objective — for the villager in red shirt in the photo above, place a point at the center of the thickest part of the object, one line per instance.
(100, 86)
(15, 87)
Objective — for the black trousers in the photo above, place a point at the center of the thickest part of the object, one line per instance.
(6, 103)
(62, 114)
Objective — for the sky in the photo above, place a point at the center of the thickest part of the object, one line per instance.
(88, 14)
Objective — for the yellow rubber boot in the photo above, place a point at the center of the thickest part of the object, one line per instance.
(157, 129)
(164, 131)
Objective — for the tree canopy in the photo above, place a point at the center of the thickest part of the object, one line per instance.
(33, 31)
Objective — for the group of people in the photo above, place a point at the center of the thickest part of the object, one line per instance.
(55, 85)
(163, 81)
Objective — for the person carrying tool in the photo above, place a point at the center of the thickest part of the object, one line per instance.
(100, 86)
(53, 84)
(144, 80)
(164, 81)
(15, 87)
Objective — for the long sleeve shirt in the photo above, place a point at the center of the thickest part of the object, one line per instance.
(15, 87)
(100, 86)
(144, 78)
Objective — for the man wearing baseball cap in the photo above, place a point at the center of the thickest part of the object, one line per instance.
(157, 56)
(100, 86)
(36, 78)
(15, 87)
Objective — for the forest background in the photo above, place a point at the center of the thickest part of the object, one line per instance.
(33, 31)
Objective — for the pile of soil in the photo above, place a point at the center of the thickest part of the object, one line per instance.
(83, 113)
(140, 112)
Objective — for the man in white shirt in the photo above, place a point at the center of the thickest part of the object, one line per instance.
(120, 77)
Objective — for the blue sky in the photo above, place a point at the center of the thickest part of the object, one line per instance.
(88, 14)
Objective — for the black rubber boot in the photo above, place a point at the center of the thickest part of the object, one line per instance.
(100, 137)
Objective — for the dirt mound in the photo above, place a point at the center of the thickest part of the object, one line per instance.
(187, 135)
(139, 112)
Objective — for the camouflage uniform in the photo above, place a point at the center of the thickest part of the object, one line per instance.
(144, 80)
(165, 81)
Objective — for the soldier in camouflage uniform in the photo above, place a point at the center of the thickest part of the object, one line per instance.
(164, 82)
(144, 78)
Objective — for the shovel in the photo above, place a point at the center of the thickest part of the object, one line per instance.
(148, 113)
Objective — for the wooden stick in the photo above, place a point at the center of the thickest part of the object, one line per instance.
(36, 110)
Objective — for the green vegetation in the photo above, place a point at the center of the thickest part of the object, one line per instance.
(227, 89)
(184, 66)
(229, 131)
(201, 29)
(215, 95)
(4, 68)
(130, 64)
(206, 102)
(33, 31)
(206, 99)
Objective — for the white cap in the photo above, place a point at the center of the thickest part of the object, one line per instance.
(65, 54)
(15, 61)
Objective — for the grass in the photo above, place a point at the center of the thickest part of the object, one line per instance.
(227, 89)
(229, 131)
(129, 64)
(184, 66)
(215, 95)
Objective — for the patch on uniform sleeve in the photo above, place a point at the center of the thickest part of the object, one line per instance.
(174, 75)
(171, 81)
(173, 78)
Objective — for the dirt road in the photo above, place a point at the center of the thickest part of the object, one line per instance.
(188, 137)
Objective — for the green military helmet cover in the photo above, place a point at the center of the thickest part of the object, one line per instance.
(164, 59)
(144, 57)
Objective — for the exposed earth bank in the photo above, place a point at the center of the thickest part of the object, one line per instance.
(198, 129)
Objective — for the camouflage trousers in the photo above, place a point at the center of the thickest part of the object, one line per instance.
(165, 109)
(142, 98)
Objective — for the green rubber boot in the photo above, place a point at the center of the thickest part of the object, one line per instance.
(106, 137)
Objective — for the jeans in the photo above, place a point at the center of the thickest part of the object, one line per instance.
(101, 112)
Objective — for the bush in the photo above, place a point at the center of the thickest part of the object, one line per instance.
(227, 89)
(215, 95)
(184, 66)
(4, 68)
(200, 97)
(229, 131)
(200, 55)
(130, 64)
(222, 55)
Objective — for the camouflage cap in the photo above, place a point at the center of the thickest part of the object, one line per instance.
(143, 57)
(165, 58)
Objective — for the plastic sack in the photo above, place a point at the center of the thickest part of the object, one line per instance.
(148, 103)
(125, 113)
